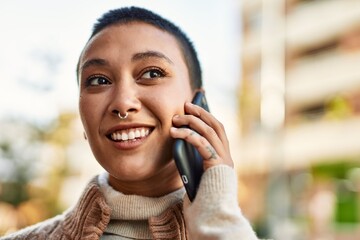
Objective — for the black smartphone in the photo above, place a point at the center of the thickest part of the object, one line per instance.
(187, 158)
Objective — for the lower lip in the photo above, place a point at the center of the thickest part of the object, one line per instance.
(129, 144)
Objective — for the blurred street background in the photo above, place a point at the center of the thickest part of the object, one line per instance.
(282, 75)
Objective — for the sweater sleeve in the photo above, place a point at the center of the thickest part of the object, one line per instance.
(215, 213)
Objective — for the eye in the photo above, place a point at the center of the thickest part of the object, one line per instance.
(153, 73)
(97, 81)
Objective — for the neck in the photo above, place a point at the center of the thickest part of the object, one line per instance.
(165, 182)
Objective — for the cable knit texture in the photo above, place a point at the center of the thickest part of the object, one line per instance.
(87, 220)
(132, 216)
(214, 214)
(170, 225)
(222, 218)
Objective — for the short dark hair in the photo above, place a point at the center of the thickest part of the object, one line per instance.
(136, 14)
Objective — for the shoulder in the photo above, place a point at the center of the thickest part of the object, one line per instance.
(90, 212)
(38, 231)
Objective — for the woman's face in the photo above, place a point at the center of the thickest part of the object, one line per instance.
(139, 69)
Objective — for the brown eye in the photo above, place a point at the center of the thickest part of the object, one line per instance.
(97, 81)
(152, 73)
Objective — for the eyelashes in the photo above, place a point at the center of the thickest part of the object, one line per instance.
(148, 75)
(153, 73)
(97, 80)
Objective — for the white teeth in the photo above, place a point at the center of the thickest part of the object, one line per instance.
(130, 134)
(124, 136)
(137, 133)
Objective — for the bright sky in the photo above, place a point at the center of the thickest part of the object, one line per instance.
(41, 41)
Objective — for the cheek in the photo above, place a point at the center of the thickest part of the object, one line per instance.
(87, 111)
(170, 102)
(83, 110)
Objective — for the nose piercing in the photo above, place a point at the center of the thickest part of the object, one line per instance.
(122, 117)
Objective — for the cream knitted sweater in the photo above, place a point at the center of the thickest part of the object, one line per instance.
(214, 214)
(130, 213)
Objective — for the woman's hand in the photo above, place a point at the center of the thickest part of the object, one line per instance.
(206, 134)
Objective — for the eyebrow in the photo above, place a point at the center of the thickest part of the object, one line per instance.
(150, 54)
(94, 62)
(135, 57)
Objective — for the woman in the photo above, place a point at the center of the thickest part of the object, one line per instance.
(137, 75)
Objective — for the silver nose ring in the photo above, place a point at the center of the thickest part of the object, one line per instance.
(122, 117)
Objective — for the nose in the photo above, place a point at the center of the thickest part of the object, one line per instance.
(124, 100)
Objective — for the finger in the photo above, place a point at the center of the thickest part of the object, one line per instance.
(205, 149)
(202, 128)
(209, 119)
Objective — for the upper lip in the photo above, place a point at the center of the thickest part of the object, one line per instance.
(127, 126)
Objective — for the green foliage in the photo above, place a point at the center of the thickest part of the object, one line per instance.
(335, 169)
(22, 147)
(347, 205)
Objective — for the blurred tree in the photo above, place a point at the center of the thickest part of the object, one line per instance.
(338, 108)
(347, 205)
(33, 166)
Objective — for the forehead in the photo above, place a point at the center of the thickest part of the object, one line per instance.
(127, 38)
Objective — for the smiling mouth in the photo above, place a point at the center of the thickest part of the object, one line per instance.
(131, 134)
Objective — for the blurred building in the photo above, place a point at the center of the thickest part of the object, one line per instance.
(300, 115)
